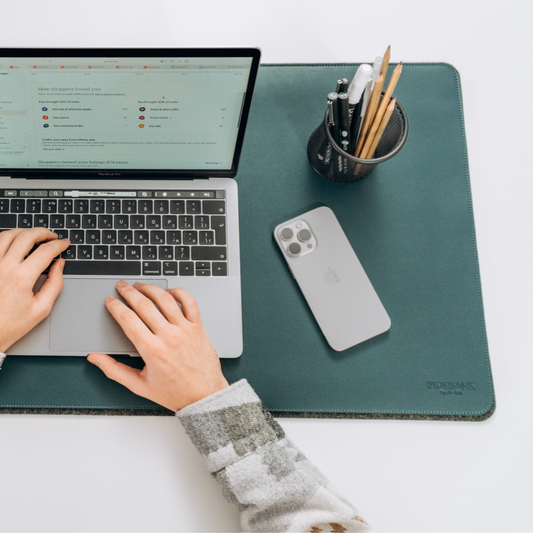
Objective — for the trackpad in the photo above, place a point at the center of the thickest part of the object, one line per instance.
(80, 322)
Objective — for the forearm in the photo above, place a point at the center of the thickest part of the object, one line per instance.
(275, 487)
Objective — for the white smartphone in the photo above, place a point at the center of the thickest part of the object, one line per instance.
(331, 278)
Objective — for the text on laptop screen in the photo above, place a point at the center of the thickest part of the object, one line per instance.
(124, 113)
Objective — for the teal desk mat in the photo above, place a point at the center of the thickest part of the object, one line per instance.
(410, 223)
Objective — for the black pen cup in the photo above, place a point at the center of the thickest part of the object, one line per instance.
(333, 163)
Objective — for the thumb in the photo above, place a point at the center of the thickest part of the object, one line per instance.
(119, 372)
(48, 293)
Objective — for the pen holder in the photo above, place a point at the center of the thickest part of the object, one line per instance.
(333, 163)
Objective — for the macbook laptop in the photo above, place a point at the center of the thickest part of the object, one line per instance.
(131, 154)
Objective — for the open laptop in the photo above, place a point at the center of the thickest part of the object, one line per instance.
(131, 154)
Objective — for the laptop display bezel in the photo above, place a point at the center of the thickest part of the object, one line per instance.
(101, 173)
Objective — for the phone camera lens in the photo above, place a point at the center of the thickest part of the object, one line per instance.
(294, 248)
(286, 234)
(304, 235)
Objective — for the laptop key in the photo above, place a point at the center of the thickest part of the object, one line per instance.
(182, 252)
(65, 206)
(117, 252)
(8, 221)
(57, 221)
(4, 205)
(137, 222)
(161, 207)
(92, 236)
(85, 252)
(81, 206)
(101, 252)
(203, 268)
(18, 205)
(109, 236)
(105, 221)
(208, 253)
(33, 206)
(129, 206)
(77, 236)
(97, 206)
(207, 238)
(88, 221)
(125, 237)
(157, 237)
(218, 223)
(177, 207)
(194, 207)
(186, 268)
(121, 222)
(25, 221)
(201, 222)
(220, 269)
(73, 221)
(49, 206)
(145, 207)
(151, 268)
(190, 237)
(153, 222)
(170, 268)
(166, 253)
(69, 253)
(141, 237)
(185, 222)
(149, 252)
(173, 237)
(112, 206)
(133, 253)
(102, 268)
(170, 222)
(40, 221)
(214, 207)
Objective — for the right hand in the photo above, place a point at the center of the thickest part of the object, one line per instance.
(181, 364)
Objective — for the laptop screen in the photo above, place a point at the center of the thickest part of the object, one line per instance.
(123, 112)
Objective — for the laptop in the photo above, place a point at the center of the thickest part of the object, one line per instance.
(132, 155)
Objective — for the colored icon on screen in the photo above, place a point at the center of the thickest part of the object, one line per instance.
(141, 125)
(142, 108)
(46, 125)
(45, 117)
(141, 117)
(45, 109)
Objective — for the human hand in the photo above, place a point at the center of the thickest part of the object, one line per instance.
(20, 309)
(181, 364)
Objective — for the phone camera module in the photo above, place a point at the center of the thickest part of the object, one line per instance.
(304, 235)
(286, 234)
(294, 249)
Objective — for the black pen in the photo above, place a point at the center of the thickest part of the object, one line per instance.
(342, 85)
(344, 121)
(333, 120)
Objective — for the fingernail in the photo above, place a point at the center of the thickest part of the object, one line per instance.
(138, 284)
(121, 283)
(109, 299)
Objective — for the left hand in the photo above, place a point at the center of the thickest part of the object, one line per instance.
(20, 309)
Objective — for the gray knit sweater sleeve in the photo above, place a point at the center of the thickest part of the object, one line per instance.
(273, 484)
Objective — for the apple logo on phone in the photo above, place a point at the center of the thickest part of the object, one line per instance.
(331, 276)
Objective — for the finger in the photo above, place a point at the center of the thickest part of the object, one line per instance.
(46, 296)
(119, 372)
(143, 307)
(25, 240)
(164, 300)
(134, 328)
(40, 258)
(6, 239)
(189, 306)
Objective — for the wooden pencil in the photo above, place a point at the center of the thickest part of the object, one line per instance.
(385, 63)
(369, 115)
(381, 129)
(381, 111)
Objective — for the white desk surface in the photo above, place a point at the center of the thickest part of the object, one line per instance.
(77, 473)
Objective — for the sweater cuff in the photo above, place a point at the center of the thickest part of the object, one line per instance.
(229, 425)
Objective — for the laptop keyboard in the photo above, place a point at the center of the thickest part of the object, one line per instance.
(128, 233)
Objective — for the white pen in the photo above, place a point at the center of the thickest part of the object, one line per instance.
(377, 67)
(356, 89)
